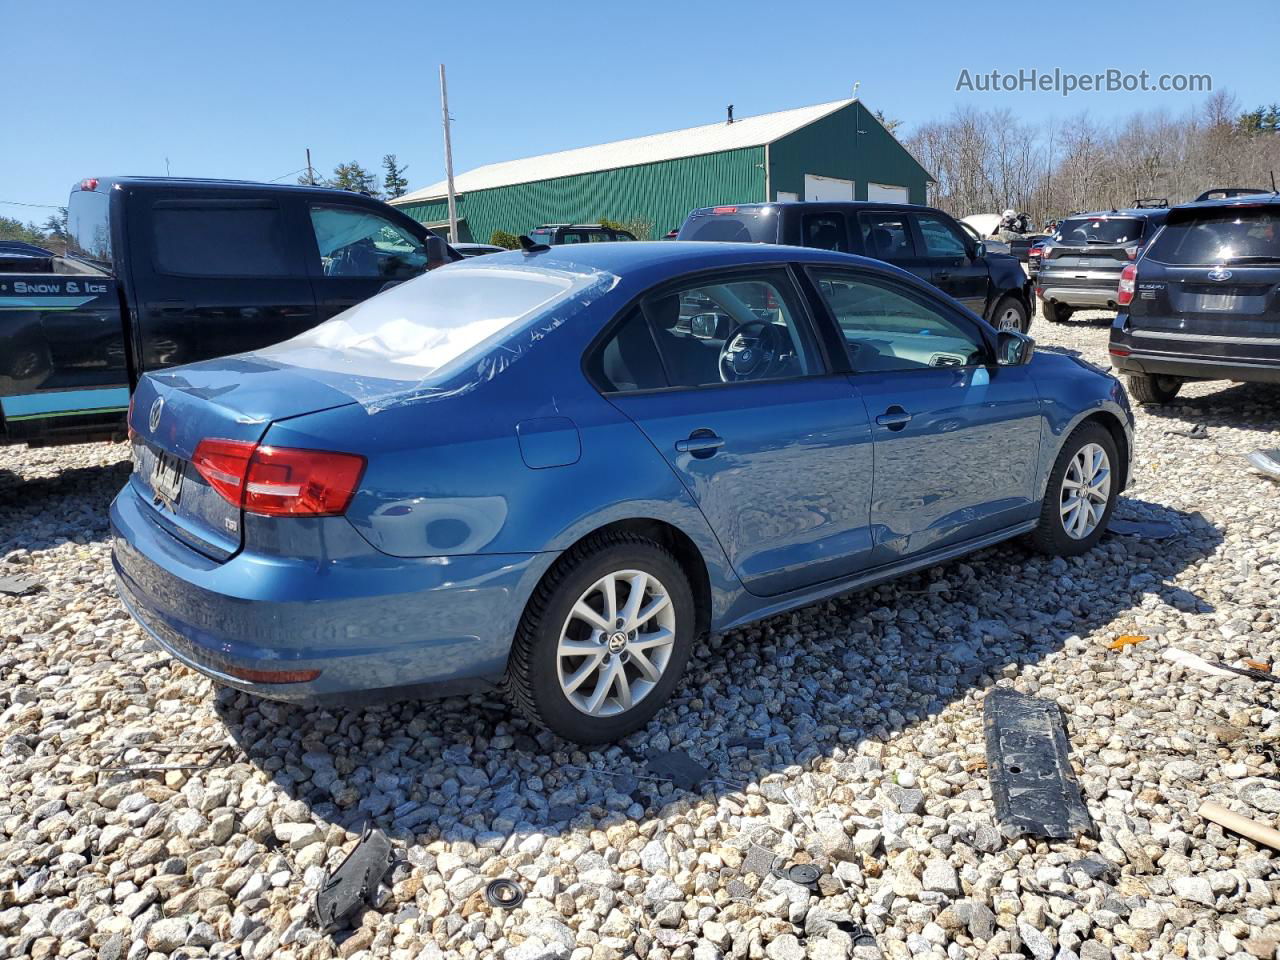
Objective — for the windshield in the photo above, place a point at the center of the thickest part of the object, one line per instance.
(1222, 237)
(432, 327)
(739, 225)
(1084, 230)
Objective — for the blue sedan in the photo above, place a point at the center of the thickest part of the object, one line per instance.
(556, 471)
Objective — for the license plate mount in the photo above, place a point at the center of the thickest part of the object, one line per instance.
(166, 476)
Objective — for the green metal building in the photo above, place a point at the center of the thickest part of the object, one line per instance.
(831, 151)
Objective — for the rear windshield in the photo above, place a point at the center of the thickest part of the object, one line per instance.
(1221, 237)
(1085, 230)
(88, 227)
(429, 328)
(742, 226)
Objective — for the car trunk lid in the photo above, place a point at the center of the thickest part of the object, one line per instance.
(235, 398)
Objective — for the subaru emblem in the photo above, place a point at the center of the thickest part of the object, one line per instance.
(153, 418)
(1219, 274)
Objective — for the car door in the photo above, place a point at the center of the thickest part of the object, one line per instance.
(952, 262)
(957, 438)
(887, 235)
(215, 274)
(356, 251)
(724, 375)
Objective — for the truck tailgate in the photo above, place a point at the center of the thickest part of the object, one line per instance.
(63, 358)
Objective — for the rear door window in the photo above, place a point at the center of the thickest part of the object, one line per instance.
(886, 236)
(223, 238)
(1082, 231)
(1229, 236)
(825, 231)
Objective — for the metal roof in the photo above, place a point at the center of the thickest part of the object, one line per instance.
(690, 142)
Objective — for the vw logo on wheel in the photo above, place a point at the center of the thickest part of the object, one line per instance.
(1219, 274)
(153, 418)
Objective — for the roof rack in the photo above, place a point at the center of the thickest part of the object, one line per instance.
(1151, 203)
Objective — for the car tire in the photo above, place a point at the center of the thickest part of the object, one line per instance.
(1065, 528)
(562, 690)
(1146, 388)
(1055, 312)
(1010, 313)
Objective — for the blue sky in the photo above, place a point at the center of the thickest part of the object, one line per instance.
(239, 89)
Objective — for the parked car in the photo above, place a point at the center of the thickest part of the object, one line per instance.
(557, 233)
(558, 470)
(17, 256)
(1203, 301)
(160, 272)
(922, 240)
(477, 249)
(1080, 266)
(1034, 251)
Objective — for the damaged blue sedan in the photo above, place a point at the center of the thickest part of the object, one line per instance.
(555, 471)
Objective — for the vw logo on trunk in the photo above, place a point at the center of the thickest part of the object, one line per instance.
(153, 418)
(1218, 273)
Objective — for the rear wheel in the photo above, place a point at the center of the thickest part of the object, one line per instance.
(1010, 314)
(604, 640)
(1081, 493)
(1055, 312)
(1147, 388)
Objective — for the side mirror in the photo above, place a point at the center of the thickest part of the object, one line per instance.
(437, 251)
(1014, 349)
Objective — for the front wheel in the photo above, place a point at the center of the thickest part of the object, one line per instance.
(1151, 389)
(1081, 493)
(1010, 314)
(604, 639)
(1055, 312)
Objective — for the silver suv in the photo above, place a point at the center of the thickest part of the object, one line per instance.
(1080, 265)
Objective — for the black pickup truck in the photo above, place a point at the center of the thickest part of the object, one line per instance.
(163, 271)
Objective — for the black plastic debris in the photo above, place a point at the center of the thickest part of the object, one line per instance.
(19, 585)
(355, 882)
(1028, 763)
(163, 757)
(805, 874)
(504, 894)
(1197, 431)
(1146, 529)
(1266, 462)
(678, 767)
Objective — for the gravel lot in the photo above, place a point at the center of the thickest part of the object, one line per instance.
(872, 762)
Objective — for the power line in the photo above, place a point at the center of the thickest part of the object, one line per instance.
(19, 203)
(289, 174)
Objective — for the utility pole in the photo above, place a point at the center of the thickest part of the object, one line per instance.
(311, 175)
(448, 159)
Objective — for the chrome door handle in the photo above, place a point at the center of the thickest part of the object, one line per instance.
(701, 443)
(895, 418)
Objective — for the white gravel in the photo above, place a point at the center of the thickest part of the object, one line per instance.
(869, 760)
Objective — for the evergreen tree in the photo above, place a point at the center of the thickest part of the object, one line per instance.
(394, 183)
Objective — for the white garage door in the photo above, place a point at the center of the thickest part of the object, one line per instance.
(886, 193)
(827, 189)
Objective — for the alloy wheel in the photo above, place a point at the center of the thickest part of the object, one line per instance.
(616, 643)
(1086, 490)
(1009, 319)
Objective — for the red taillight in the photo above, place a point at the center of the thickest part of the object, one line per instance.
(1119, 351)
(724, 209)
(89, 183)
(1033, 252)
(279, 481)
(1128, 283)
(1132, 252)
(1040, 292)
(283, 482)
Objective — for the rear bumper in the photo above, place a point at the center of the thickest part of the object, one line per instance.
(1199, 357)
(1096, 294)
(376, 627)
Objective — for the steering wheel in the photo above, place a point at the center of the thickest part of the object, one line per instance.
(753, 351)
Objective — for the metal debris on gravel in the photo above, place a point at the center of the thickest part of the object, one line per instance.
(847, 735)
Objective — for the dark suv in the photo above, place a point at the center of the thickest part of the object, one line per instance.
(921, 240)
(1203, 302)
(554, 233)
(1080, 264)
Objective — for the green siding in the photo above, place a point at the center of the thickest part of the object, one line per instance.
(662, 192)
(831, 147)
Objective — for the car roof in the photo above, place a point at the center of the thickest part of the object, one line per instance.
(106, 183)
(643, 256)
(821, 205)
(1127, 212)
(1243, 200)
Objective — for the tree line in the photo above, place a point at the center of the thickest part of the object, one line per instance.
(352, 176)
(986, 161)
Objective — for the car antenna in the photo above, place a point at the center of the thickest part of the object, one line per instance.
(1273, 182)
(528, 246)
